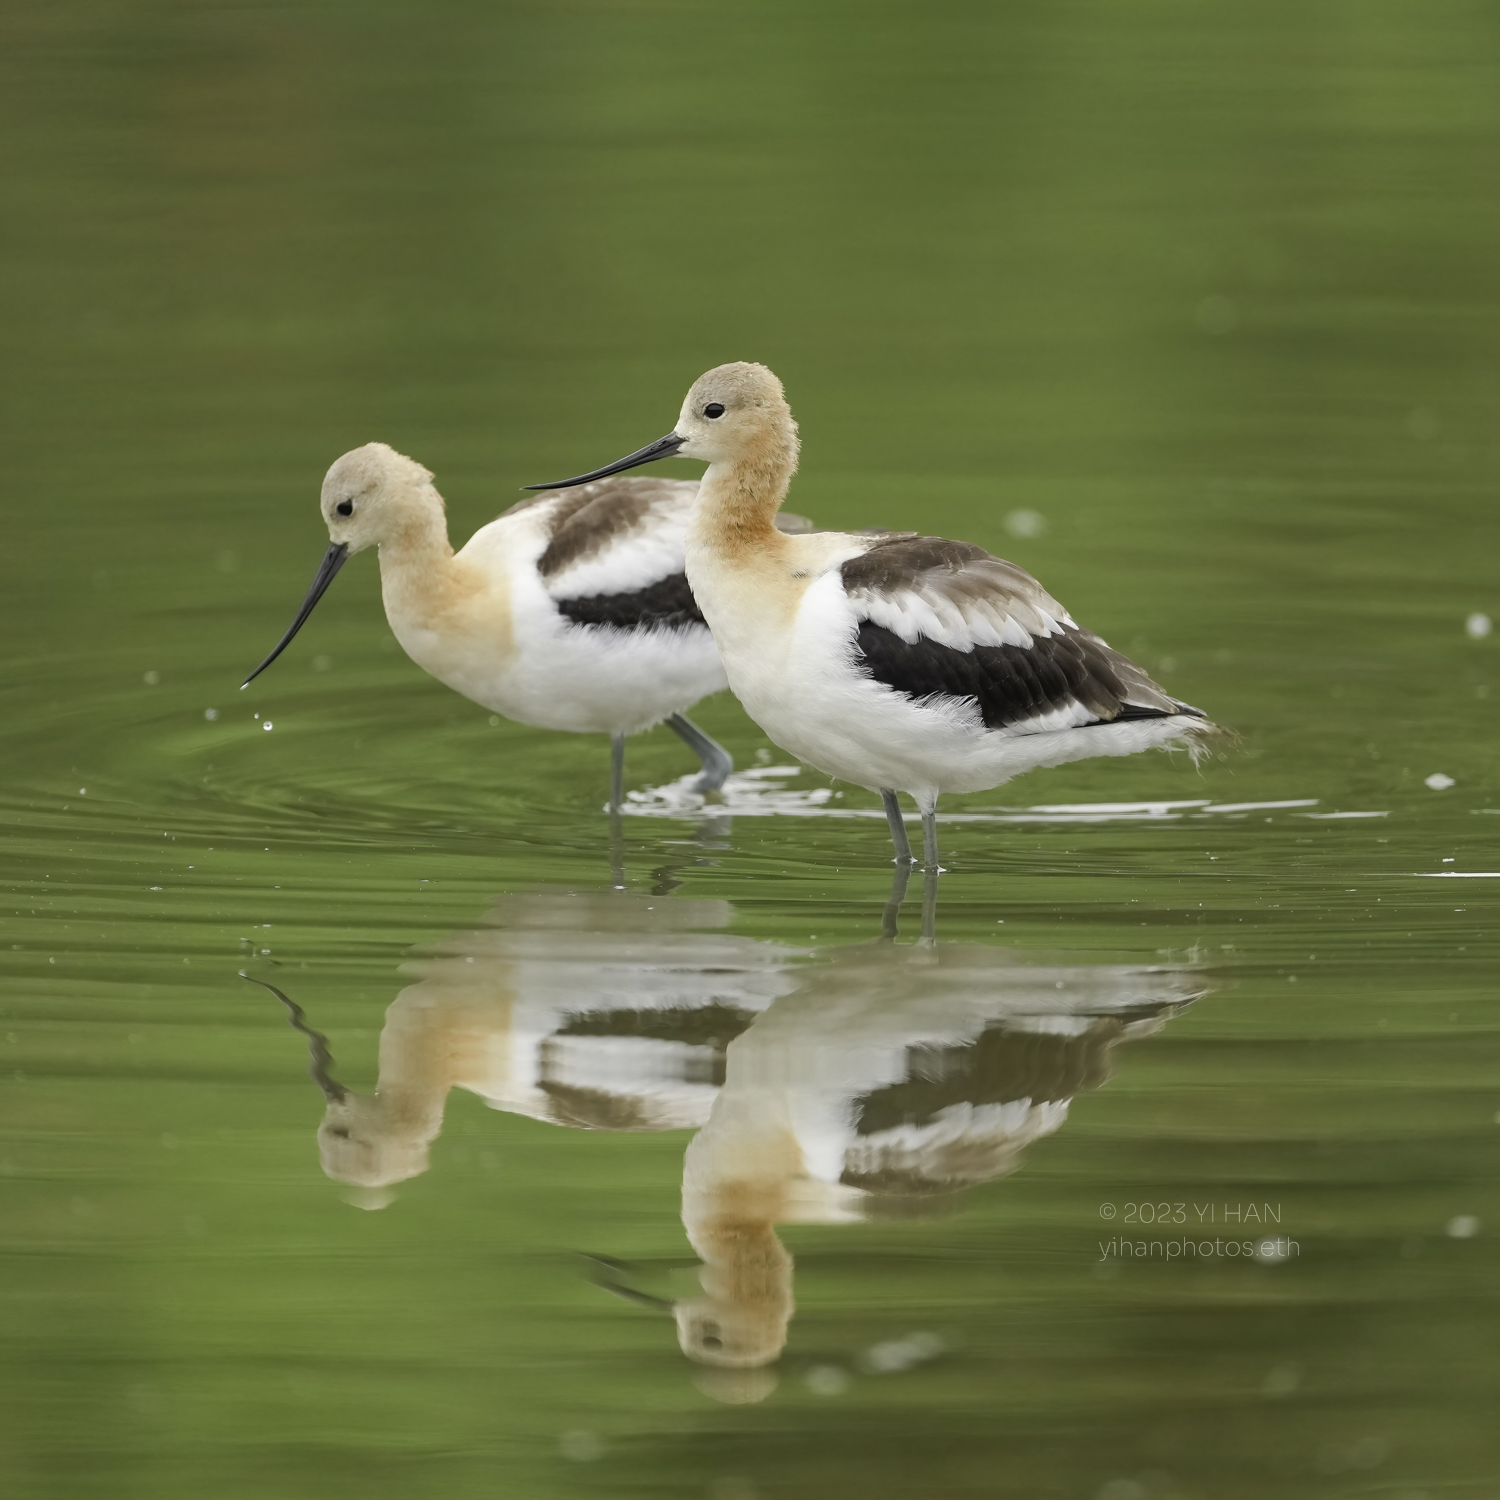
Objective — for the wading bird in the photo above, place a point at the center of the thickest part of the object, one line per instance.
(898, 662)
(568, 612)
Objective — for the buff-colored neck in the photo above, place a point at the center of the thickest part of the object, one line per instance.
(421, 579)
(739, 497)
(747, 1276)
(418, 533)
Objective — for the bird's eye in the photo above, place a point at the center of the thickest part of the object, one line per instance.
(345, 507)
(713, 409)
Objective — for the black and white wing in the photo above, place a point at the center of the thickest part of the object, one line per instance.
(941, 618)
(614, 554)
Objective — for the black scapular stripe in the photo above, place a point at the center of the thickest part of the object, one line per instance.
(1000, 1067)
(668, 604)
(1009, 683)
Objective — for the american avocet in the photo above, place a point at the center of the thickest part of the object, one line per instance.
(568, 612)
(887, 1078)
(591, 1011)
(898, 662)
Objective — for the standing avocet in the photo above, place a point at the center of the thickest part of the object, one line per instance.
(569, 612)
(898, 662)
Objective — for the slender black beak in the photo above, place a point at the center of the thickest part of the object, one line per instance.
(317, 1045)
(333, 559)
(609, 1275)
(662, 448)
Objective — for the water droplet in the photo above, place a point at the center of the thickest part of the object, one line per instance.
(268, 726)
(152, 678)
(1478, 625)
(1025, 523)
(1463, 1227)
(210, 713)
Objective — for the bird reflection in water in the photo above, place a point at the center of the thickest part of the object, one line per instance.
(598, 1011)
(859, 1082)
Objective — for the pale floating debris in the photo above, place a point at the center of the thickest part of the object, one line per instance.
(1478, 626)
(152, 678)
(268, 726)
(760, 792)
(827, 1380)
(1154, 808)
(1121, 1489)
(1273, 1252)
(1229, 807)
(1439, 782)
(1025, 523)
(895, 1355)
(581, 1446)
(1463, 1227)
(210, 714)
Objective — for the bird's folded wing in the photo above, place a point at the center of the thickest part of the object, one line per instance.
(614, 552)
(947, 618)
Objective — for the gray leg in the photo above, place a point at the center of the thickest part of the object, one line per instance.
(897, 826)
(717, 761)
(930, 874)
(929, 838)
(888, 921)
(929, 904)
(616, 772)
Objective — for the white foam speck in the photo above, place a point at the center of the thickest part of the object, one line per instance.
(1229, 807)
(1478, 626)
(1439, 782)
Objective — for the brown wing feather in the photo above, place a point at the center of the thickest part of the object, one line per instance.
(961, 585)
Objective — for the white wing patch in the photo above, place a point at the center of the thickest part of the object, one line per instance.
(978, 607)
(629, 535)
(628, 563)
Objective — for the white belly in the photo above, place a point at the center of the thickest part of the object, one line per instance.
(586, 679)
(800, 684)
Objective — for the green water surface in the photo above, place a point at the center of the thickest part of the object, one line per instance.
(1191, 310)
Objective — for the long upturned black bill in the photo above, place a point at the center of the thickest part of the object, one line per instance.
(610, 1275)
(317, 1045)
(662, 448)
(333, 559)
